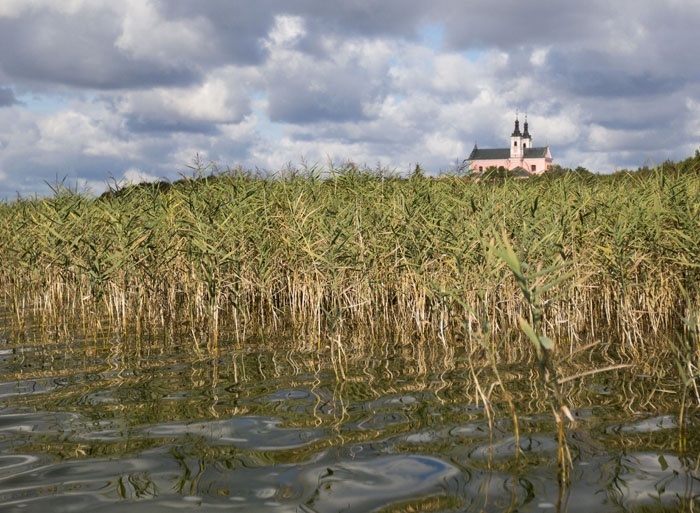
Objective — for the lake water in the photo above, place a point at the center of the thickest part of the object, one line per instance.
(100, 426)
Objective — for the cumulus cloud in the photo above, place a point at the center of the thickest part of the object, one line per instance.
(146, 85)
(221, 98)
(146, 35)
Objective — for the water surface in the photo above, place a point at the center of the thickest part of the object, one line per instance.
(95, 426)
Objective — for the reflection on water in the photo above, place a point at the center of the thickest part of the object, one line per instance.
(83, 428)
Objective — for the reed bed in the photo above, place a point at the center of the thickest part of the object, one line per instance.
(317, 254)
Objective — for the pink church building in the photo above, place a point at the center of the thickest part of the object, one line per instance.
(522, 157)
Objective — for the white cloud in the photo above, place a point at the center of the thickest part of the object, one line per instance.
(65, 128)
(207, 102)
(16, 8)
(84, 130)
(562, 129)
(286, 32)
(693, 120)
(538, 57)
(223, 97)
(608, 139)
(135, 176)
(443, 147)
(146, 35)
(245, 131)
(453, 73)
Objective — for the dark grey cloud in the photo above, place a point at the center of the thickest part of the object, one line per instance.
(238, 32)
(139, 124)
(321, 90)
(639, 112)
(235, 31)
(508, 24)
(368, 18)
(599, 73)
(79, 51)
(66, 170)
(7, 97)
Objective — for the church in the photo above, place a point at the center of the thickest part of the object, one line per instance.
(522, 158)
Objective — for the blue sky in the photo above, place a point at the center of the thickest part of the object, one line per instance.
(93, 91)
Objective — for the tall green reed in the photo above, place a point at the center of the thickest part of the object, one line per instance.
(238, 255)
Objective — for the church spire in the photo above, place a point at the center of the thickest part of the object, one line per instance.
(526, 133)
(516, 132)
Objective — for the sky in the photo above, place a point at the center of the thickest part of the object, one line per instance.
(99, 92)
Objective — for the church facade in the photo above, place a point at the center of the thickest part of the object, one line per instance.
(521, 157)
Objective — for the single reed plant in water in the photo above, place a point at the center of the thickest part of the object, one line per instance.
(534, 285)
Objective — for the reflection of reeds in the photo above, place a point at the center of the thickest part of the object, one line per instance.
(355, 251)
(687, 352)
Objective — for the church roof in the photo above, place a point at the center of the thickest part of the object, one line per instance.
(519, 172)
(536, 153)
(504, 153)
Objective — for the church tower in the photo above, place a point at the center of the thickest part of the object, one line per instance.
(516, 141)
(527, 138)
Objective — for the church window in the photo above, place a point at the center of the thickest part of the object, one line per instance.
(533, 167)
